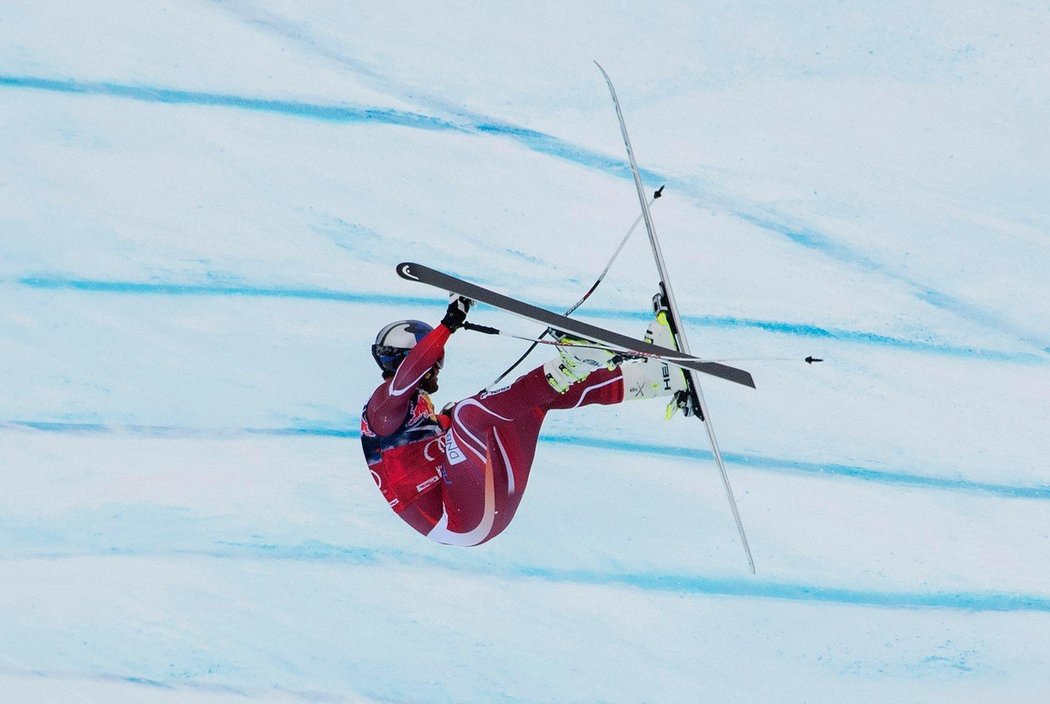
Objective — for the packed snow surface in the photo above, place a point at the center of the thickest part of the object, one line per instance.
(201, 208)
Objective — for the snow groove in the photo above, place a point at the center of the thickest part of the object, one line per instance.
(804, 330)
(751, 461)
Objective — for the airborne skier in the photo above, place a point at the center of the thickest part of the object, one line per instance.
(458, 476)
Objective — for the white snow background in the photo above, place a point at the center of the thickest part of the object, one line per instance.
(201, 208)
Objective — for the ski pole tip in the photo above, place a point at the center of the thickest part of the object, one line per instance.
(811, 360)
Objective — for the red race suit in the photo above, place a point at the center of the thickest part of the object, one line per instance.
(458, 477)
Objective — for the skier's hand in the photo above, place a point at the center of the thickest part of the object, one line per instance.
(456, 314)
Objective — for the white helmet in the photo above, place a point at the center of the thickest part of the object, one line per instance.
(395, 340)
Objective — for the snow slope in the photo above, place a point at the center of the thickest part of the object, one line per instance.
(201, 207)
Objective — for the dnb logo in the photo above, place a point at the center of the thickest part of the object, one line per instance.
(448, 446)
(452, 451)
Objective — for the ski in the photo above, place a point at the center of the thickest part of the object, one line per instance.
(614, 340)
(696, 396)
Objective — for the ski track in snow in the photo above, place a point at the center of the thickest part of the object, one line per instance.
(803, 236)
(169, 96)
(804, 330)
(894, 477)
(679, 583)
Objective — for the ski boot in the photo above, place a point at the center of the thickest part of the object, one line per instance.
(653, 378)
(577, 358)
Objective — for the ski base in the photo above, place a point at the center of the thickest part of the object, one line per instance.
(424, 274)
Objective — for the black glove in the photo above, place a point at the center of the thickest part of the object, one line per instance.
(456, 314)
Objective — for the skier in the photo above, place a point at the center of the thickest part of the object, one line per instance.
(458, 476)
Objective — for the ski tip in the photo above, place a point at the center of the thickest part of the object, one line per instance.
(406, 270)
(604, 73)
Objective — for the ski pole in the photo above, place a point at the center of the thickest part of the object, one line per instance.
(656, 194)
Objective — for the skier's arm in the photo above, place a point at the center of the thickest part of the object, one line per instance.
(389, 404)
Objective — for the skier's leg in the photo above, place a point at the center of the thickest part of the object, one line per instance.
(604, 387)
(491, 445)
(489, 451)
(492, 441)
(424, 512)
(634, 379)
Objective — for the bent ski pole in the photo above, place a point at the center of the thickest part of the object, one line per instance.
(659, 192)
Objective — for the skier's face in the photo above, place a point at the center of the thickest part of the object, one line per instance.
(429, 383)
